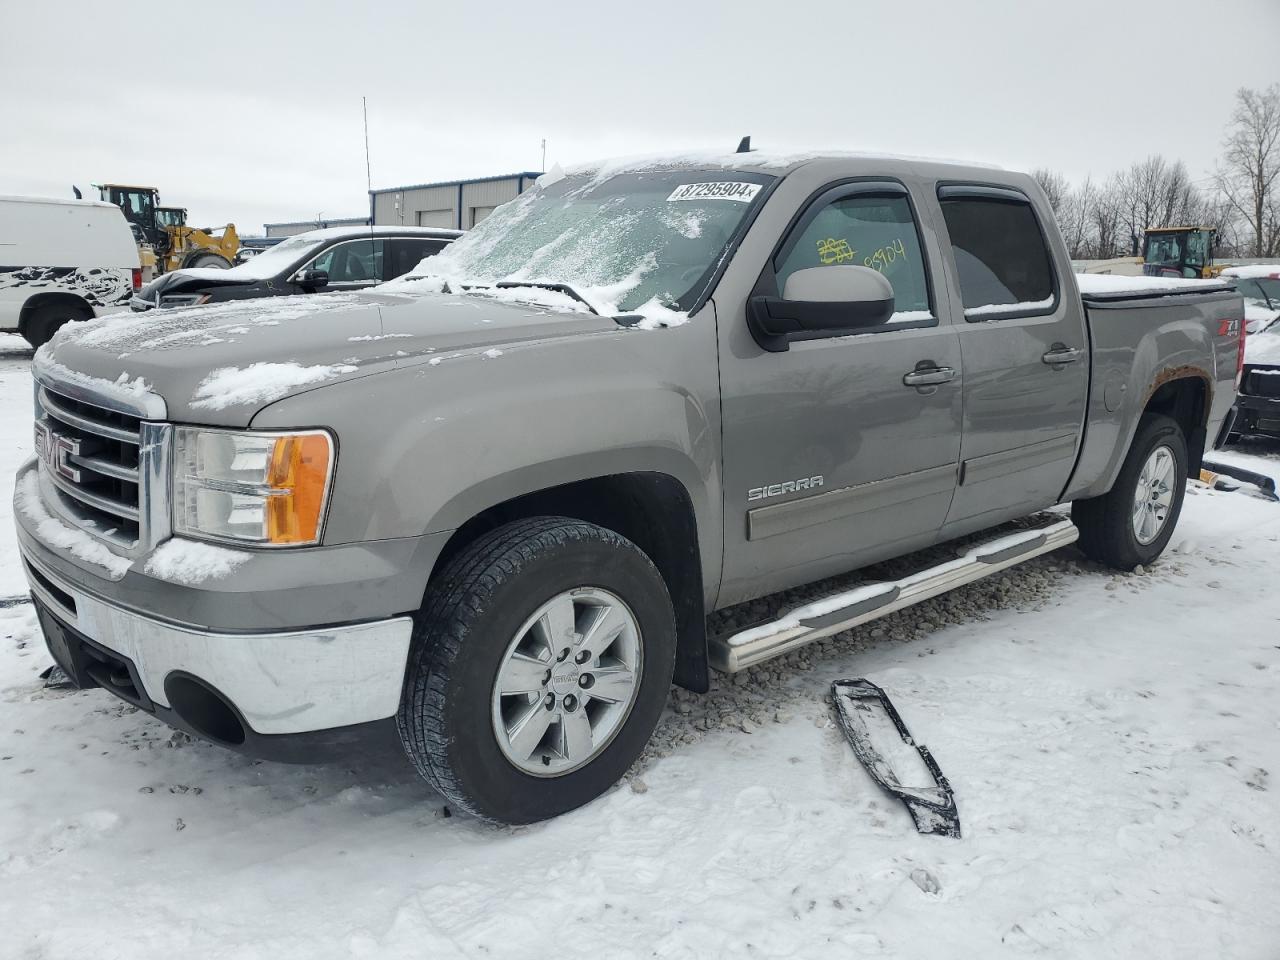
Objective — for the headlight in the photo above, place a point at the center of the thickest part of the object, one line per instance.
(183, 299)
(265, 488)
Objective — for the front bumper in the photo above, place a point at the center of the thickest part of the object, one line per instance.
(1257, 416)
(278, 682)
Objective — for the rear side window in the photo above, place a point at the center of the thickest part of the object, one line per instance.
(402, 255)
(1000, 256)
(866, 231)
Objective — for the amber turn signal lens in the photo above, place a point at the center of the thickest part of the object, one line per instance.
(297, 477)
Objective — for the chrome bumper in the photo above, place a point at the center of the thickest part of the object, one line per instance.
(282, 682)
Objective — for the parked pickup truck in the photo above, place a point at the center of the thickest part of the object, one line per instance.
(493, 506)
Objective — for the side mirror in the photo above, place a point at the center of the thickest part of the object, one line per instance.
(838, 298)
(312, 279)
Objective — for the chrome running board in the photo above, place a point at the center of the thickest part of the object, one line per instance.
(730, 653)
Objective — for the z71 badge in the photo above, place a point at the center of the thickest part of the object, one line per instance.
(778, 489)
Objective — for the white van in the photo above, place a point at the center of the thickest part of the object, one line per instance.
(62, 260)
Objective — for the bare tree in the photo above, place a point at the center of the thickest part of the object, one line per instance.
(1055, 187)
(1249, 175)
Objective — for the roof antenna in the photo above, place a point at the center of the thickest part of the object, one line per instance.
(744, 145)
(76, 191)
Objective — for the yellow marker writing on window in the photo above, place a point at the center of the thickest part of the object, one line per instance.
(886, 255)
(832, 250)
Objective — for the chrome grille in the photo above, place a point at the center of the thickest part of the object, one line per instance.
(92, 457)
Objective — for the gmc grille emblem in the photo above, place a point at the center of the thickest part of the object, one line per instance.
(56, 451)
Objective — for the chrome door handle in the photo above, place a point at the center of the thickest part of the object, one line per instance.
(929, 376)
(1062, 354)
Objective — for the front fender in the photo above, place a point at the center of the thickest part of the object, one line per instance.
(427, 445)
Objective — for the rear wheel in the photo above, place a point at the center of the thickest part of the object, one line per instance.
(45, 321)
(1132, 523)
(540, 664)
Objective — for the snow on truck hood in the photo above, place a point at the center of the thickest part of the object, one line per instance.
(220, 364)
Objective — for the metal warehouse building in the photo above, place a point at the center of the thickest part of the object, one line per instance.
(458, 204)
(294, 227)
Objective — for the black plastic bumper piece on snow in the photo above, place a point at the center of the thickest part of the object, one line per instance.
(1260, 480)
(932, 808)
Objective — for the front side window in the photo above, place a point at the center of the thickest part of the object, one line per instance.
(1001, 257)
(865, 231)
(356, 261)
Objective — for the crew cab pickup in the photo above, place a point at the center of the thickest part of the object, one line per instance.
(490, 505)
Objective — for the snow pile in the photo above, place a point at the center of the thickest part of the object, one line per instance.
(1256, 271)
(57, 534)
(259, 383)
(1108, 737)
(191, 562)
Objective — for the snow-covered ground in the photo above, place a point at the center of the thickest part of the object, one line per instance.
(1113, 742)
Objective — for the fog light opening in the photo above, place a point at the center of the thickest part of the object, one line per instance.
(206, 710)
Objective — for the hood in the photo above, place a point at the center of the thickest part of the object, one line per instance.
(220, 364)
(192, 279)
(1263, 349)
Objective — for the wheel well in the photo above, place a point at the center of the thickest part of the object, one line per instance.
(653, 511)
(1185, 400)
(42, 300)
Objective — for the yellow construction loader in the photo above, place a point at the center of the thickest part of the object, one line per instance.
(165, 230)
(1179, 252)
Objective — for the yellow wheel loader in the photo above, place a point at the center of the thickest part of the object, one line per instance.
(165, 229)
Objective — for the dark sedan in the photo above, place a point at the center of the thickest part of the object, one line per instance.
(339, 258)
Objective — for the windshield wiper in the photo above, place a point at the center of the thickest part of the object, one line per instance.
(564, 288)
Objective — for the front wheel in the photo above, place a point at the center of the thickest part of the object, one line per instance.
(539, 666)
(1131, 524)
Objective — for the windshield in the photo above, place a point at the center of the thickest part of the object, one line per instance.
(277, 259)
(628, 242)
(1164, 248)
(1270, 288)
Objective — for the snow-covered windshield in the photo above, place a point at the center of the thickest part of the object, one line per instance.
(640, 240)
(274, 260)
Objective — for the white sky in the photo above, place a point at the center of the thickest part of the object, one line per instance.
(250, 112)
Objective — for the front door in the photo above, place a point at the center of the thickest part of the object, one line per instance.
(349, 265)
(1026, 359)
(837, 451)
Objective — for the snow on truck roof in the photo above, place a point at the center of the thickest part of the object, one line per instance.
(757, 160)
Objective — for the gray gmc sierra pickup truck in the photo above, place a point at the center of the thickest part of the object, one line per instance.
(491, 508)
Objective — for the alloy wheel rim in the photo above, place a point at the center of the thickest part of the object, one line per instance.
(567, 682)
(1153, 498)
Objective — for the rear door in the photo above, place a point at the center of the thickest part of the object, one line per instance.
(832, 456)
(1025, 353)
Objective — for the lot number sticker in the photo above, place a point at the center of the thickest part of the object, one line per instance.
(719, 190)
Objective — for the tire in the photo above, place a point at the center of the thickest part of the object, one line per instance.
(1112, 531)
(478, 619)
(209, 260)
(45, 321)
